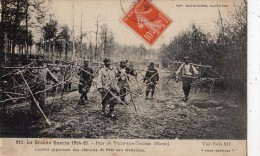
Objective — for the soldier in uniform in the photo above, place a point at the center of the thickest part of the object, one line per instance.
(40, 76)
(67, 75)
(123, 74)
(56, 71)
(151, 79)
(85, 81)
(130, 69)
(107, 85)
(186, 70)
(122, 82)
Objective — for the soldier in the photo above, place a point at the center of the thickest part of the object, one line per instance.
(151, 78)
(107, 87)
(67, 75)
(130, 70)
(85, 81)
(122, 84)
(40, 76)
(123, 76)
(56, 71)
(187, 70)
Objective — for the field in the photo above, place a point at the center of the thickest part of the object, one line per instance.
(222, 116)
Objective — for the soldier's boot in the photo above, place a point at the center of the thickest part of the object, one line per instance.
(146, 94)
(86, 97)
(152, 93)
(111, 110)
(185, 99)
(103, 110)
(81, 100)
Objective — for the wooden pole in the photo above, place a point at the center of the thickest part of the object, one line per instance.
(131, 94)
(24, 68)
(36, 102)
(4, 103)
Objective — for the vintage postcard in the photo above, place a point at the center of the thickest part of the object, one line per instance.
(123, 77)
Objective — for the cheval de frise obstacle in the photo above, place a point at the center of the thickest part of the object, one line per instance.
(171, 71)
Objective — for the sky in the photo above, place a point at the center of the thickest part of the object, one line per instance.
(110, 12)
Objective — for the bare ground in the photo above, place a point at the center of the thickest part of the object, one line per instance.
(223, 116)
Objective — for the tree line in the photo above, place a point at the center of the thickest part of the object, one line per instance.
(226, 51)
(17, 19)
(22, 19)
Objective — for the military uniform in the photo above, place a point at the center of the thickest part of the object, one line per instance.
(67, 75)
(39, 78)
(40, 85)
(85, 82)
(186, 70)
(151, 78)
(107, 84)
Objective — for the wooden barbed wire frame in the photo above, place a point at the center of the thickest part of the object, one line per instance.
(23, 90)
(198, 81)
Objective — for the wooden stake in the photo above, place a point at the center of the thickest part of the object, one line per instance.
(36, 102)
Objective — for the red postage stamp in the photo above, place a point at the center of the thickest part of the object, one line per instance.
(148, 21)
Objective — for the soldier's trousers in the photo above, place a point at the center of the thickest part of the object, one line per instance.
(122, 86)
(186, 85)
(40, 97)
(108, 99)
(83, 90)
(67, 86)
(150, 88)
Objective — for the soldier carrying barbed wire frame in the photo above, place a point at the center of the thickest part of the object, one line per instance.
(107, 87)
(186, 72)
(85, 81)
(38, 90)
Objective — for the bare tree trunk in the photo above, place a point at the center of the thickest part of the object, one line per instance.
(53, 50)
(49, 49)
(66, 50)
(27, 34)
(96, 48)
(2, 34)
(81, 38)
(15, 27)
(96, 41)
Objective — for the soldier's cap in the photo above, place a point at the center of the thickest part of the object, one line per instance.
(123, 61)
(106, 60)
(151, 64)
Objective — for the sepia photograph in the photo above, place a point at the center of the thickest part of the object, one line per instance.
(123, 69)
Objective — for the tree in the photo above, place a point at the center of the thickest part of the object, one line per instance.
(107, 40)
(50, 33)
(65, 37)
(226, 53)
(16, 21)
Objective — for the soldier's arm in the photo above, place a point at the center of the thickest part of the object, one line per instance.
(179, 70)
(146, 76)
(194, 70)
(91, 74)
(118, 73)
(99, 79)
(157, 76)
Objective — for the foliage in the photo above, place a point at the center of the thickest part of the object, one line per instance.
(226, 52)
